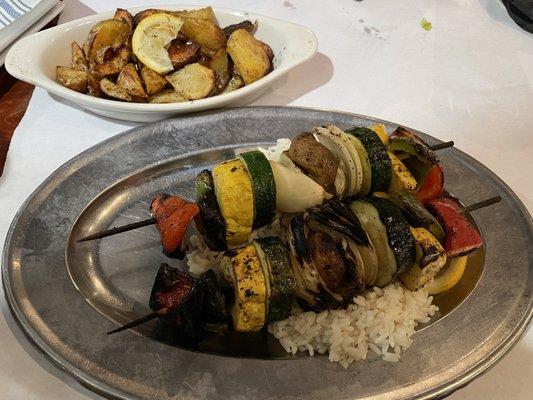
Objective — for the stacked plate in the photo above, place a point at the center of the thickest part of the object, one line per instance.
(19, 18)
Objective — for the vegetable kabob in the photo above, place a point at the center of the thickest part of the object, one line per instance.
(334, 250)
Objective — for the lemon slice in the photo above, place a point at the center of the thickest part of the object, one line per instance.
(151, 39)
(450, 275)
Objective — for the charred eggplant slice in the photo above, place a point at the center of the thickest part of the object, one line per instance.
(216, 319)
(209, 220)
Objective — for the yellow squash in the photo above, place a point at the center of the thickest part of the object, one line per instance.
(450, 275)
(381, 131)
(401, 176)
(249, 310)
(418, 276)
(233, 189)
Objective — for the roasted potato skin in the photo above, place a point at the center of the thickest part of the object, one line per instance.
(167, 96)
(93, 85)
(221, 65)
(129, 80)
(153, 82)
(124, 16)
(249, 56)
(112, 66)
(246, 25)
(145, 13)
(194, 81)
(72, 78)
(183, 53)
(79, 61)
(209, 36)
(114, 91)
(109, 33)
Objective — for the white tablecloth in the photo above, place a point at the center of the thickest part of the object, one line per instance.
(469, 79)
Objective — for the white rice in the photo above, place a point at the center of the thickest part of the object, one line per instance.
(381, 320)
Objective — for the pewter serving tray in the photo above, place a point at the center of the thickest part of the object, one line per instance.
(66, 296)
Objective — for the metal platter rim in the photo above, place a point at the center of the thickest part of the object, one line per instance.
(103, 388)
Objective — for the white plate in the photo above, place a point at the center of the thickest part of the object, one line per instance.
(34, 59)
(37, 26)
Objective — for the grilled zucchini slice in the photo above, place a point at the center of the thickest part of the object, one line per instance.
(377, 154)
(263, 187)
(277, 267)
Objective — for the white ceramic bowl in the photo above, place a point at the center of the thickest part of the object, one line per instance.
(34, 59)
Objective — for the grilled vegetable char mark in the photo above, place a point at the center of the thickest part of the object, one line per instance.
(173, 215)
(327, 259)
(315, 160)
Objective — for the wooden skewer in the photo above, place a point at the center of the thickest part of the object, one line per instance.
(440, 146)
(480, 204)
(118, 229)
(146, 318)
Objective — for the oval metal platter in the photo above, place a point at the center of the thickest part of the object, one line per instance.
(66, 295)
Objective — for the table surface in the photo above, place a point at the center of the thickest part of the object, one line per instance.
(469, 79)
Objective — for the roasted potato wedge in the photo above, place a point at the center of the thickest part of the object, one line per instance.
(221, 65)
(249, 56)
(109, 33)
(113, 65)
(183, 53)
(79, 61)
(72, 78)
(202, 13)
(194, 81)
(130, 80)
(246, 25)
(235, 83)
(209, 36)
(153, 82)
(114, 91)
(167, 96)
(269, 52)
(124, 16)
(93, 85)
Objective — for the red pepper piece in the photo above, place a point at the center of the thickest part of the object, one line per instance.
(173, 215)
(461, 237)
(432, 186)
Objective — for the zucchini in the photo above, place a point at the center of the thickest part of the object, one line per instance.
(398, 233)
(415, 148)
(381, 131)
(263, 187)
(369, 218)
(209, 220)
(430, 259)
(377, 154)
(274, 256)
(417, 215)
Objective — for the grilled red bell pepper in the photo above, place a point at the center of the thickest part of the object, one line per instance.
(461, 237)
(432, 186)
(173, 215)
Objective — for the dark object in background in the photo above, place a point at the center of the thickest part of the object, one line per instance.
(521, 11)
